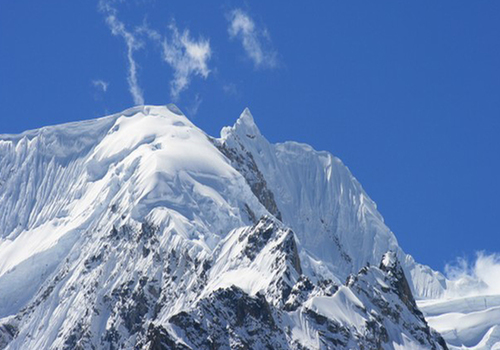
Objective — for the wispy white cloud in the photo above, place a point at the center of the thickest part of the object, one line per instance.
(133, 44)
(256, 42)
(482, 277)
(101, 84)
(186, 56)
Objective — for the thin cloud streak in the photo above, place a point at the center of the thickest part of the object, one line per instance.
(133, 44)
(256, 43)
(188, 57)
(101, 84)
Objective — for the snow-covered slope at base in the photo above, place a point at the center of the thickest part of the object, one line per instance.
(283, 309)
(467, 322)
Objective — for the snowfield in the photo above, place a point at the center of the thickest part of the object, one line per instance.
(138, 230)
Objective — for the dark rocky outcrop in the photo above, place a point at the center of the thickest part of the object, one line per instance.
(231, 319)
(244, 163)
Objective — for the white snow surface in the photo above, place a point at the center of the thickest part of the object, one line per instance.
(62, 186)
(465, 323)
(343, 307)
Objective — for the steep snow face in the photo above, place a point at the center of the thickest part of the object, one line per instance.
(39, 167)
(40, 183)
(318, 197)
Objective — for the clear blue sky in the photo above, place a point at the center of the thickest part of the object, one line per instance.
(407, 94)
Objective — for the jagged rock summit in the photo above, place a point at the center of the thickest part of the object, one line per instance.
(140, 231)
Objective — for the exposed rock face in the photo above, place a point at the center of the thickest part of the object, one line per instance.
(243, 161)
(228, 319)
(216, 314)
(391, 266)
(8, 331)
(387, 298)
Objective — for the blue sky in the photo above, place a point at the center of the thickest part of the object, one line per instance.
(405, 93)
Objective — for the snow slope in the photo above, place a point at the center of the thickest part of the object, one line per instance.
(139, 230)
(466, 322)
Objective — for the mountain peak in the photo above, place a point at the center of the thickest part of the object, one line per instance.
(245, 125)
(247, 116)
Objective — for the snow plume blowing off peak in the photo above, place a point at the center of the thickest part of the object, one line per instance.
(481, 277)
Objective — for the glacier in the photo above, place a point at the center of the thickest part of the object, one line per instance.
(139, 230)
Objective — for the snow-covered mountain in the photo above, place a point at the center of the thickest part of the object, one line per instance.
(138, 230)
